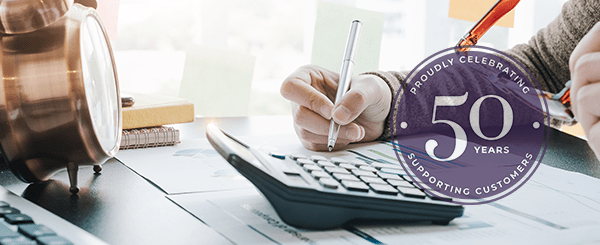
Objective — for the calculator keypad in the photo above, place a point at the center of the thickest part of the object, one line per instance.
(382, 178)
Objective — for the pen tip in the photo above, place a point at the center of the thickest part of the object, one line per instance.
(330, 148)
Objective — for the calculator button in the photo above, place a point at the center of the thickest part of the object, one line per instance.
(329, 183)
(316, 158)
(413, 182)
(400, 183)
(347, 166)
(384, 189)
(8, 210)
(290, 171)
(33, 230)
(411, 192)
(4, 204)
(20, 240)
(332, 170)
(53, 240)
(303, 161)
(297, 156)
(5, 231)
(407, 178)
(17, 219)
(358, 164)
(311, 168)
(374, 180)
(387, 176)
(379, 165)
(325, 163)
(355, 185)
(341, 177)
(319, 174)
(368, 168)
(393, 171)
(338, 160)
(359, 172)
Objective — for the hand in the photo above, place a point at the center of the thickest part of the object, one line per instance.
(361, 112)
(584, 65)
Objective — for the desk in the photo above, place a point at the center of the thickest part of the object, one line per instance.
(121, 207)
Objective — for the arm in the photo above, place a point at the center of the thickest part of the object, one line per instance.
(546, 55)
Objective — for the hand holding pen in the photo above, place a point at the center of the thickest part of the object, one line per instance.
(361, 112)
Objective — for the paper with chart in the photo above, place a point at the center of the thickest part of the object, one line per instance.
(190, 166)
(245, 217)
(553, 207)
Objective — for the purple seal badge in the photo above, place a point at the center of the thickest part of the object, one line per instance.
(469, 127)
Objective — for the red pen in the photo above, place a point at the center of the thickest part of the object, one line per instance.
(501, 8)
(559, 108)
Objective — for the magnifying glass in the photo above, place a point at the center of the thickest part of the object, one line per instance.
(60, 103)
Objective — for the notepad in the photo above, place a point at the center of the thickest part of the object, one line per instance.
(473, 10)
(156, 110)
(331, 32)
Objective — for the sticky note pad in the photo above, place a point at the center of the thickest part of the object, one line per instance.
(217, 80)
(331, 33)
(473, 10)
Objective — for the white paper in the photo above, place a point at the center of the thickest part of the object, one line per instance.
(190, 166)
(245, 217)
(554, 207)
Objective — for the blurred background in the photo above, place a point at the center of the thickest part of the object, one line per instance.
(153, 37)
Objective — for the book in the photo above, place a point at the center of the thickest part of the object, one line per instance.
(149, 137)
(156, 110)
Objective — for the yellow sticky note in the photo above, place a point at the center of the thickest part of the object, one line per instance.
(217, 81)
(473, 10)
(331, 33)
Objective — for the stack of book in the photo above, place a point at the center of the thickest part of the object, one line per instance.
(143, 122)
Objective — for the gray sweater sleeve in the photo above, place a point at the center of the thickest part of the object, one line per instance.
(546, 55)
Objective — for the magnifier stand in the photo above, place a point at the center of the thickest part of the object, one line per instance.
(72, 169)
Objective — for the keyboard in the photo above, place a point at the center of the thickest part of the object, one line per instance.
(315, 192)
(23, 222)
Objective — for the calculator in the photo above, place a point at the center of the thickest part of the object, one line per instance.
(314, 192)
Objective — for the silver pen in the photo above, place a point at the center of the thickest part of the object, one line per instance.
(345, 76)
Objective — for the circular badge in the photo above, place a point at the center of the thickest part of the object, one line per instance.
(469, 127)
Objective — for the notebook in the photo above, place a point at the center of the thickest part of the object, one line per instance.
(149, 137)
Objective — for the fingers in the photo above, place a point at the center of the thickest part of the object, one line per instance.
(588, 44)
(361, 112)
(593, 136)
(581, 63)
(309, 86)
(588, 98)
(313, 128)
(588, 101)
(586, 91)
(365, 91)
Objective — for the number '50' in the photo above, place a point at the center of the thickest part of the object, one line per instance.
(459, 132)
